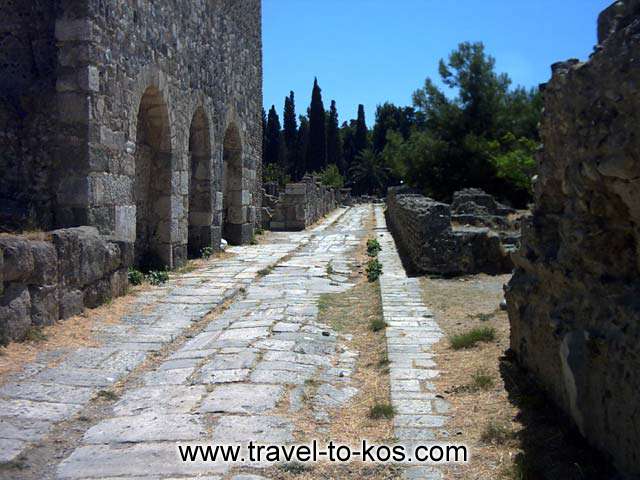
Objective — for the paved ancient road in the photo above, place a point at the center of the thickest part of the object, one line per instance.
(230, 376)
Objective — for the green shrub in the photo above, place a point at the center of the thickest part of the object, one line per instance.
(382, 410)
(206, 252)
(373, 247)
(377, 324)
(331, 177)
(496, 433)
(471, 338)
(374, 270)
(136, 277)
(157, 277)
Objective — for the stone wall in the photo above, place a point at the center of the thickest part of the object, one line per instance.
(423, 231)
(153, 126)
(304, 203)
(56, 276)
(573, 301)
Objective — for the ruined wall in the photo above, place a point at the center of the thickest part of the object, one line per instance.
(27, 106)
(423, 231)
(56, 276)
(574, 301)
(304, 203)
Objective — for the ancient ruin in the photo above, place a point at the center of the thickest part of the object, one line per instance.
(424, 232)
(144, 123)
(573, 301)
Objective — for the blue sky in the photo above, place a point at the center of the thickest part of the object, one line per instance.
(370, 51)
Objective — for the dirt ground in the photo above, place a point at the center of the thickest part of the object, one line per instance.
(511, 429)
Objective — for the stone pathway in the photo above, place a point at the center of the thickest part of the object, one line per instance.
(240, 374)
(221, 385)
(411, 331)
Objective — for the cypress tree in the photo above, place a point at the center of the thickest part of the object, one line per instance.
(290, 134)
(334, 150)
(361, 139)
(264, 135)
(317, 147)
(273, 148)
(349, 152)
(303, 145)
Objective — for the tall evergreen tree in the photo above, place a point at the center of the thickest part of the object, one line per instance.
(361, 137)
(303, 145)
(349, 153)
(273, 148)
(290, 134)
(317, 147)
(334, 147)
(264, 134)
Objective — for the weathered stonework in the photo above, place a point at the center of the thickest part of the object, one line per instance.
(430, 244)
(139, 118)
(573, 301)
(302, 204)
(57, 277)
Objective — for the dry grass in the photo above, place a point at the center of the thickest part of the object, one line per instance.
(513, 433)
(72, 333)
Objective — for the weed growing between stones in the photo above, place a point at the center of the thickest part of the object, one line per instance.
(329, 268)
(157, 277)
(472, 338)
(108, 395)
(373, 247)
(377, 325)
(374, 270)
(265, 271)
(136, 277)
(206, 252)
(295, 468)
(381, 410)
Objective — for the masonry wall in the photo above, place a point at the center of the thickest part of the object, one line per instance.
(574, 301)
(56, 275)
(424, 234)
(304, 203)
(128, 83)
(28, 57)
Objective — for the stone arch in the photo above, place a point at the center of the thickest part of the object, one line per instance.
(235, 196)
(200, 184)
(153, 174)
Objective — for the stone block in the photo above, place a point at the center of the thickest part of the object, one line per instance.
(45, 263)
(70, 302)
(125, 228)
(44, 304)
(237, 215)
(15, 312)
(18, 263)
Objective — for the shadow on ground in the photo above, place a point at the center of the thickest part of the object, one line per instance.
(553, 447)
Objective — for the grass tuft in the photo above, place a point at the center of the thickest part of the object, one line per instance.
(472, 338)
(482, 380)
(495, 433)
(377, 324)
(295, 468)
(35, 334)
(382, 410)
(108, 395)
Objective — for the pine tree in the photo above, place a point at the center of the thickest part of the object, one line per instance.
(273, 148)
(290, 134)
(361, 139)
(317, 147)
(303, 145)
(334, 147)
